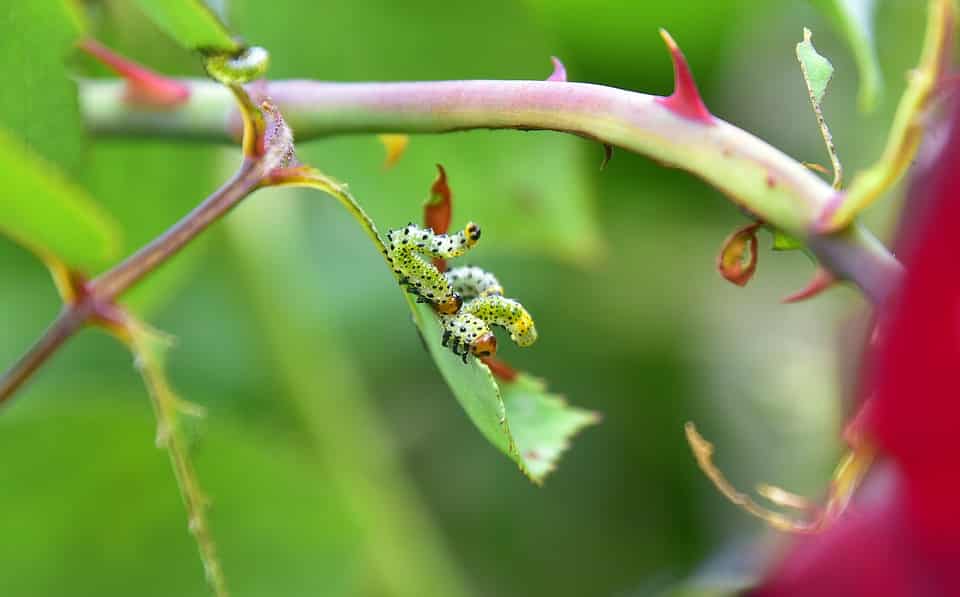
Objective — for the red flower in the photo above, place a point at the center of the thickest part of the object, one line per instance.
(905, 541)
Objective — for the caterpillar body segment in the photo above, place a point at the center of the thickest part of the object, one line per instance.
(466, 333)
(469, 331)
(471, 282)
(406, 248)
(507, 313)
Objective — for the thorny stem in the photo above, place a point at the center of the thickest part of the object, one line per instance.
(756, 176)
(114, 282)
(111, 284)
(94, 301)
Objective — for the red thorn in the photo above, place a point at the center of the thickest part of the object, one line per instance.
(607, 154)
(144, 87)
(686, 100)
(822, 279)
(500, 369)
(559, 71)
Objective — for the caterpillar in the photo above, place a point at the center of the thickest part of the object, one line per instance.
(470, 282)
(469, 329)
(468, 300)
(405, 250)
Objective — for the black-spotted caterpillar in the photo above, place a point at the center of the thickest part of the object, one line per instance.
(468, 299)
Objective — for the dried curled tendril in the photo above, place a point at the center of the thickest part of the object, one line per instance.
(236, 69)
(468, 299)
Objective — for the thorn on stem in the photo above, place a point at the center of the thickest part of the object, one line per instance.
(145, 88)
(559, 71)
(685, 100)
(822, 279)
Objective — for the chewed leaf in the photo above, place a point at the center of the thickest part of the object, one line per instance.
(544, 425)
(817, 70)
(737, 261)
(856, 20)
(523, 420)
(191, 23)
(541, 423)
(909, 123)
(47, 214)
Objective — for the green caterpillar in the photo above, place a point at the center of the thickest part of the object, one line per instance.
(470, 328)
(406, 248)
(468, 299)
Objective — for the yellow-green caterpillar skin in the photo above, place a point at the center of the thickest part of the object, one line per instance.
(469, 331)
(507, 313)
(406, 248)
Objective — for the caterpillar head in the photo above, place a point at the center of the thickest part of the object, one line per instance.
(449, 306)
(484, 346)
(472, 233)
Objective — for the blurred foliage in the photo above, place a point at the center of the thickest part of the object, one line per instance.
(338, 461)
(191, 23)
(856, 19)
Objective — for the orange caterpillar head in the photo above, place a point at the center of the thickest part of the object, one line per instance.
(484, 346)
(449, 306)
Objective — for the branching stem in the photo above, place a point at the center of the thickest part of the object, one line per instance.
(69, 321)
(104, 289)
(114, 282)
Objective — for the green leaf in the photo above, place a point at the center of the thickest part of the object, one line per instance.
(856, 21)
(48, 214)
(325, 389)
(544, 423)
(520, 418)
(541, 423)
(784, 242)
(817, 70)
(191, 23)
(38, 99)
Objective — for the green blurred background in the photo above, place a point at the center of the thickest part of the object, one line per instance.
(337, 460)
